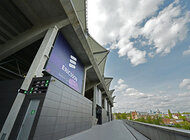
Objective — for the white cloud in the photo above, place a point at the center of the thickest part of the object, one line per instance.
(120, 85)
(130, 99)
(185, 84)
(135, 56)
(165, 30)
(120, 81)
(121, 22)
(186, 94)
(123, 88)
(135, 93)
(151, 54)
(187, 52)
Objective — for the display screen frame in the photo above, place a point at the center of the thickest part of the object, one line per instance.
(65, 65)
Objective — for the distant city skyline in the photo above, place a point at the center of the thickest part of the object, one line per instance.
(149, 111)
(149, 51)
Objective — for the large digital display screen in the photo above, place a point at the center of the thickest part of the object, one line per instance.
(64, 65)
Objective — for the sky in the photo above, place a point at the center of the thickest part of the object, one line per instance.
(149, 44)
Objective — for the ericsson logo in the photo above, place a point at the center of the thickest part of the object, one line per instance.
(73, 61)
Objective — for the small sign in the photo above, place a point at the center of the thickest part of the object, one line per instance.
(33, 112)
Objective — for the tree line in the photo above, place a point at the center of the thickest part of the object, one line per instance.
(156, 119)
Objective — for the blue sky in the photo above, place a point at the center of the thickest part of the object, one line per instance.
(149, 59)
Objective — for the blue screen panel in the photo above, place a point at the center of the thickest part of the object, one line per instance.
(65, 65)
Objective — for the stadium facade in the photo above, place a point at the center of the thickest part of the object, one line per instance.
(51, 71)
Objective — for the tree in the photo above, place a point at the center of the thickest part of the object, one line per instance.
(149, 120)
(186, 113)
(170, 114)
(177, 125)
(166, 117)
(179, 114)
(128, 114)
(131, 117)
(119, 116)
(186, 125)
(124, 116)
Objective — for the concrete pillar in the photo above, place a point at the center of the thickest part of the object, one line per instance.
(84, 79)
(84, 82)
(111, 113)
(94, 120)
(35, 71)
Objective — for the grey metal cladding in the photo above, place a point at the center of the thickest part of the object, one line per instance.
(64, 112)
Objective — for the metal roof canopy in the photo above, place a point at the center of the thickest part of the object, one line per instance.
(111, 92)
(24, 22)
(39, 13)
(99, 53)
(33, 19)
(17, 16)
(108, 81)
(12, 21)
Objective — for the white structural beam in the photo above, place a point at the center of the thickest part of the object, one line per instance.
(95, 46)
(108, 85)
(99, 53)
(113, 97)
(84, 82)
(111, 92)
(28, 37)
(100, 56)
(80, 9)
(35, 71)
(84, 79)
(91, 85)
(108, 81)
(101, 66)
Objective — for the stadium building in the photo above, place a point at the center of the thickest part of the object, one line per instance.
(51, 71)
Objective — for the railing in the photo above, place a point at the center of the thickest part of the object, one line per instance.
(156, 132)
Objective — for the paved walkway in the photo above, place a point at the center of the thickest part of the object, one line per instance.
(114, 130)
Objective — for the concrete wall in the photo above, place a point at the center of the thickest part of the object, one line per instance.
(64, 112)
(156, 132)
(104, 116)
